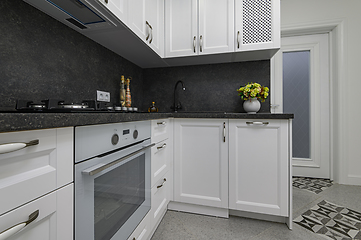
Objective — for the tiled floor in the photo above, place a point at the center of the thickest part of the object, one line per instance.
(185, 226)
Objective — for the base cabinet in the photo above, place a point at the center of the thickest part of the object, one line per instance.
(259, 166)
(201, 162)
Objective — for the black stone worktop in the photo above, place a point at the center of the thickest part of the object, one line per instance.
(15, 121)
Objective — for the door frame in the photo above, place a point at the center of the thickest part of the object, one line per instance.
(335, 29)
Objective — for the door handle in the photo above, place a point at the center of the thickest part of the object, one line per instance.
(201, 43)
(257, 123)
(238, 39)
(161, 147)
(224, 131)
(17, 227)
(148, 26)
(161, 123)
(12, 147)
(194, 44)
(164, 180)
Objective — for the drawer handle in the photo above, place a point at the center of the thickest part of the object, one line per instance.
(12, 147)
(161, 147)
(257, 123)
(164, 180)
(16, 228)
(161, 123)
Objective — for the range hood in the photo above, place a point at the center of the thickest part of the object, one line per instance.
(79, 15)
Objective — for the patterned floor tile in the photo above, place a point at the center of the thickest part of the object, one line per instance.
(315, 185)
(331, 220)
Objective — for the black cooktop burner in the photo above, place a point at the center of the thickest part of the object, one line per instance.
(56, 105)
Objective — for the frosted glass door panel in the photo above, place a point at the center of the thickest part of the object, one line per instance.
(296, 99)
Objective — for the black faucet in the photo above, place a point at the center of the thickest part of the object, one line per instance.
(178, 105)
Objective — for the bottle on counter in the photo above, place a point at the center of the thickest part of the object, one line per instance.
(122, 92)
(128, 98)
(153, 108)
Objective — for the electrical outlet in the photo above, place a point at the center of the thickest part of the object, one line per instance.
(103, 96)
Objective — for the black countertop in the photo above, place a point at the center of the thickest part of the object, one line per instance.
(15, 121)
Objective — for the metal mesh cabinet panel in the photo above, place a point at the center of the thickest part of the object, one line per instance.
(257, 21)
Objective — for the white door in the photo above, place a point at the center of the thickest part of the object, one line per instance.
(155, 17)
(201, 162)
(216, 26)
(301, 86)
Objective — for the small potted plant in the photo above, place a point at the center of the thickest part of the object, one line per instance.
(251, 93)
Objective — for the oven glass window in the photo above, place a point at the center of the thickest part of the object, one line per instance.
(117, 195)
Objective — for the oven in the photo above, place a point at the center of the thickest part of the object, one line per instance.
(112, 179)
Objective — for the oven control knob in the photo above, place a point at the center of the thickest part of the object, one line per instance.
(135, 134)
(115, 139)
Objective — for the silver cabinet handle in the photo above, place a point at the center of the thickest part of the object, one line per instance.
(238, 39)
(224, 131)
(161, 123)
(257, 123)
(151, 34)
(11, 147)
(164, 180)
(148, 25)
(17, 227)
(194, 44)
(200, 43)
(101, 167)
(161, 147)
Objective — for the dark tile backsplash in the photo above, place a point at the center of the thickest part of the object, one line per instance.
(41, 58)
(209, 87)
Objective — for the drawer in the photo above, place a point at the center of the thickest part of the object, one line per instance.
(160, 199)
(35, 170)
(160, 157)
(160, 130)
(53, 222)
(142, 232)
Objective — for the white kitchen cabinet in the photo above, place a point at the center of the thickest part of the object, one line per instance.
(53, 222)
(197, 27)
(36, 170)
(146, 20)
(257, 25)
(142, 232)
(160, 199)
(201, 162)
(259, 175)
(119, 8)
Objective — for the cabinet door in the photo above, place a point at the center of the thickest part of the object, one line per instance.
(181, 28)
(137, 19)
(53, 222)
(117, 7)
(257, 25)
(216, 26)
(201, 162)
(155, 17)
(258, 166)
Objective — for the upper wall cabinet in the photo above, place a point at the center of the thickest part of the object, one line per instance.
(118, 7)
(196, 27)
(257, 24)
(146, 20)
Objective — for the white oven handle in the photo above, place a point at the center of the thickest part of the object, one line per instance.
(100, 167)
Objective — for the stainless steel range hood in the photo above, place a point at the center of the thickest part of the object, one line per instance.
(79, 15)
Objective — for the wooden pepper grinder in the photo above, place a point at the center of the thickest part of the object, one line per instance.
(128, 98)
(122, 92)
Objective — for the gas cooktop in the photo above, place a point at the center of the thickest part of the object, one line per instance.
(56, 105)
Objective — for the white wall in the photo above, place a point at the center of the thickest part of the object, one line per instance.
(346, 72)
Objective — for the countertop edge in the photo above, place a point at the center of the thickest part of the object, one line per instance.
(11, 122)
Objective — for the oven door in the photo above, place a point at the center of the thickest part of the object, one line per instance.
(112, 193)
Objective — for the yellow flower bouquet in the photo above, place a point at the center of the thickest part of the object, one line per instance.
(253, 90)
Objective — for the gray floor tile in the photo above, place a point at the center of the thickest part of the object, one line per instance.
(186, 226)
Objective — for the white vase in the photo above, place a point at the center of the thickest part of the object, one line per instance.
(252, 105)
